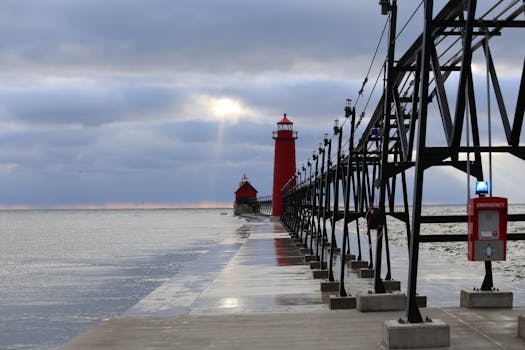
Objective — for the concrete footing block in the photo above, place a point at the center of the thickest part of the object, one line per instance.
(320, 274)
(305, 250)
(366, 273)
(341, 303)
(294, 260)
(310, 258)
(521, 326)
(349, 257)
(329, 286)
(358, 264)
(421, 300)
(315, 265)
(482, 299)
(392, 285)
(337, 251)
(434, 334)
(380, 302)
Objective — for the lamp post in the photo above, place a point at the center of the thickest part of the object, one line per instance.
(338, 131)
(297, 202)
(349, 111)
(328, 152)
(314, 201)
(302, 203)
(321, 206)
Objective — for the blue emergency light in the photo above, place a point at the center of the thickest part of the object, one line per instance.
(482, 187)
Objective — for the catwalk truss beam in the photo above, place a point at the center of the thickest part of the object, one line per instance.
(429, 115)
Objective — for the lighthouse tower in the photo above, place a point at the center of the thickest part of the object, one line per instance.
(284, 161)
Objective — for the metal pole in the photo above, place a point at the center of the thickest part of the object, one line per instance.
(342, 291)
(321, 205)
(384, 165)
(412, 312)
(328, 143)
(314, 204)
(333, 243)
(309, 214)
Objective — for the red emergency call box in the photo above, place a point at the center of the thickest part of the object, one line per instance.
(487, 229)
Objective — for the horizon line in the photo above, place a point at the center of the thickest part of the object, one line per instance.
(122, 205)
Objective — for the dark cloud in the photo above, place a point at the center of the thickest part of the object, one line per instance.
(86, 105)
(216, 37)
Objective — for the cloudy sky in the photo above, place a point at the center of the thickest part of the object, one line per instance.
(171, 102)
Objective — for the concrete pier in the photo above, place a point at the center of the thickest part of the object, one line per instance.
(255, 292)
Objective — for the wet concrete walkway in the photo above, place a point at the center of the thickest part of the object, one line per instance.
(253, 291)
(257, 270)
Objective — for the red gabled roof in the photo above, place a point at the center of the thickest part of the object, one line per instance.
(244, 185)
(285, 120)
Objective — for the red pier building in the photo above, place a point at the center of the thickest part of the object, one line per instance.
(245, 198)
(284, 161)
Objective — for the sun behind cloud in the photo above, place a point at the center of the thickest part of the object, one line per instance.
(225, 106)
(218, 108)
(226, 109)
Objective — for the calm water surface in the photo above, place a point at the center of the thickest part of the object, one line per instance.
(62, 271)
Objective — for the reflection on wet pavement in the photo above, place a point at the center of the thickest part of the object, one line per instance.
(286, 253)
(261, 270)
(266, 275)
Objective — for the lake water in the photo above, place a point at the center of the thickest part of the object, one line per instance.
(62, 271)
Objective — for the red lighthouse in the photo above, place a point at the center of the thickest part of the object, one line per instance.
(284, 160)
